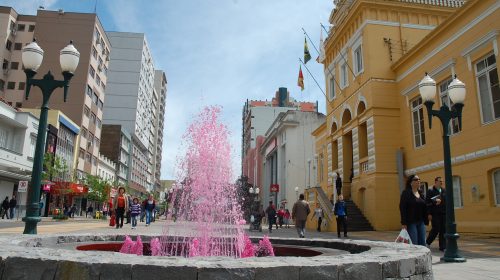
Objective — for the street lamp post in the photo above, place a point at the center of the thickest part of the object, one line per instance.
(456, 91)
(32, 56)
(254, 192)
(297, 192)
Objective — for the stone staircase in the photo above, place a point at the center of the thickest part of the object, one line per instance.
(356, 221)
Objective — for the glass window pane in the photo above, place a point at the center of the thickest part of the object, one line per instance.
(480, 66)
(485, 98)
(496, 186)
(491, 60)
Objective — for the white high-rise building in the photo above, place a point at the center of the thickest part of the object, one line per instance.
(131, 102)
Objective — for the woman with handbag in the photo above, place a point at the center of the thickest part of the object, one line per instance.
(413, 210)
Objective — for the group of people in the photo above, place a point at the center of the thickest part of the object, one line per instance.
(9, 207)
(301, 211)
(279, 218)
(124, 205)
(418, 210)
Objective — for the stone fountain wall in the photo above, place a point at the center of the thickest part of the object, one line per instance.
(54, 257)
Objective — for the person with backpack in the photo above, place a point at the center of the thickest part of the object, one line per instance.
(12, 206)
(271, 216)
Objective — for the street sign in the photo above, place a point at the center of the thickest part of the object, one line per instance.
(22, 186)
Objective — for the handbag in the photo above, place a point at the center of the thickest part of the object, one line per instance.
(403, 237)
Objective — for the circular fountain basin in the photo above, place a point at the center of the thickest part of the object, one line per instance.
(56, 257)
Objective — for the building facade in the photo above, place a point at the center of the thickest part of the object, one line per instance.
(160, 88)
(133, 102)
(54, 30)
(18, 132)
(288, 153)
(257, 117)
(117, 147)
(106, 169)
(376, 132)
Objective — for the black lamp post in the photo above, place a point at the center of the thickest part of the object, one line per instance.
(32, 57)
(456, 92)
(254, 192)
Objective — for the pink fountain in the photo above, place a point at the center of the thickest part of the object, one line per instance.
(208, 217)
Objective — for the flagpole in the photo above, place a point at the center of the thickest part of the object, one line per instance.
(328, 68)
(313, 77)
(340, 52)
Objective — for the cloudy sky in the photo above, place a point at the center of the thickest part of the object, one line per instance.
(214, 52)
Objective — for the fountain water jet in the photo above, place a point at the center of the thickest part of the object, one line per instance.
(204, 199)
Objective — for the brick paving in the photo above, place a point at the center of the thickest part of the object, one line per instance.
(482, 251)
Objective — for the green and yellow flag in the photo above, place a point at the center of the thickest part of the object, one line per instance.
(307, 55)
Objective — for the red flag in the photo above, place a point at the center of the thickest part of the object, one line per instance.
(300, 81)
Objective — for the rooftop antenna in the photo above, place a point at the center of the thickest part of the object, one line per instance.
(95, 7)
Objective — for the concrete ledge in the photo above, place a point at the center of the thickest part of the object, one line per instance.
(38, 257)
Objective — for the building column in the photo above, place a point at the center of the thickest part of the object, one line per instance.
(371, 144)
(355, 151)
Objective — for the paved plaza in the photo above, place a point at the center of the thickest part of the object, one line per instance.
(482, 251)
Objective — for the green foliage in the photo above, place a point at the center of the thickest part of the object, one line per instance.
(55, 168)
(61, 216)
(98, 188)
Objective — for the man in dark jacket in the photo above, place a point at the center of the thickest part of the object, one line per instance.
(5, 208)
(12, 206)
(340, 211)
(271, 216)
(436, 207)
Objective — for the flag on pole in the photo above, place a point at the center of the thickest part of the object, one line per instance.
(307, 55)
(321, 56)
(300, 81)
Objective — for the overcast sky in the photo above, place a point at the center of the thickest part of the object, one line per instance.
(214, 52)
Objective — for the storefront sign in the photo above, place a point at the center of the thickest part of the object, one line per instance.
(275, 188)
(22, 186)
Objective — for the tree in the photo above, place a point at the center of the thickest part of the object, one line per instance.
(55, 168)
(98, 189)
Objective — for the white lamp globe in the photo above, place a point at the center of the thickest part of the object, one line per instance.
(32, 56)
(427, 88)
(257, 190)
(456, 90)
(69, 58)
(296, 189)
(250, 190)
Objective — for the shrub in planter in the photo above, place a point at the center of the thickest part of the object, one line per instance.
(60, 217)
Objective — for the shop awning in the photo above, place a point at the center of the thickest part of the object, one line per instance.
(68, 188)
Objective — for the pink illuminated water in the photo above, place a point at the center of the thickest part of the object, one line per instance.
(205, 198)
(208, 217)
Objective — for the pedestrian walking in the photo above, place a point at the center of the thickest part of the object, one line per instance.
(12, 206)
(271, 216)
(300, 211)
(287, 218)
(318, 214)
(72, 211)
(413, 211)
(90, 210)
(135, 210)
(436, 207)
(149, 208)
(128, 215)
(143, 210)
(338, 184)
(281, 216)
(120, 204)
(340, 212)
(5, 208)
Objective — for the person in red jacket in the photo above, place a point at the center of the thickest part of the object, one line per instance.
(281, 216)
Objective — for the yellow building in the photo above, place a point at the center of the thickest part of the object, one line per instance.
(377, 131)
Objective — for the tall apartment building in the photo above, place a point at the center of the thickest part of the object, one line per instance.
(132, 101)
(257, 117)
(160, 88)
(54, 30)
